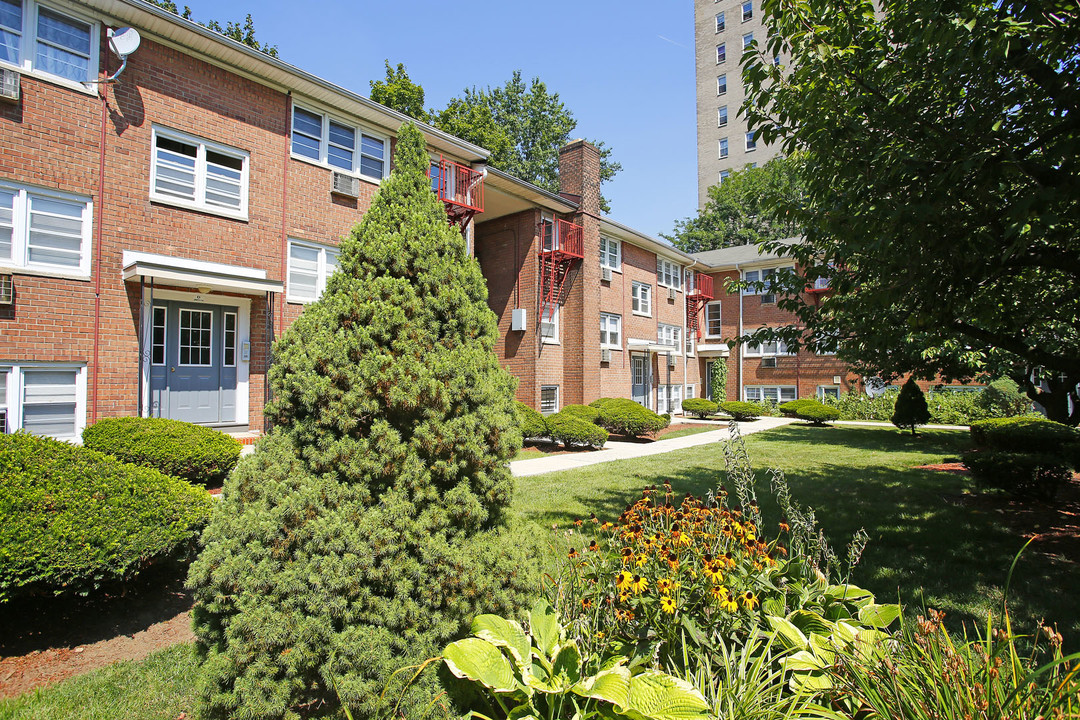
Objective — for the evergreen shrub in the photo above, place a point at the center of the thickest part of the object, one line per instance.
(368, 529)
(571, 429)
(1034, 434)
(1004, 399)
(190, 452)
(700, 407)
(530, 421)
(1034, 474)
(584, 412)
(811, 410)
(910, 410)
(741, 410)
(625, 417)
(72, 519)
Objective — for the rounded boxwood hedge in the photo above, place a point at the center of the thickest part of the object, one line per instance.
(742, 410)
(72, 519)
(1032, 434)
(700, 407)
(584, 412)
(530, 421)
(625, 417)
(811, 410)
(190, 452)
(1019, 473)
(570, 429)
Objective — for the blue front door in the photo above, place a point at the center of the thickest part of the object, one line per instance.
(639, 373)
(193, 362)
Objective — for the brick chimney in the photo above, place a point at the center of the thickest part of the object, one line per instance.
(579, 175)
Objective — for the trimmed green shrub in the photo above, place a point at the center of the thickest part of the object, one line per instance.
(190, 452)
(369, 528)
(741, 410)
(1004, 399)
(700, 407)
(1034, 434)
(583, 412)
(1019, 473)
(530, 421)
(72, 519)
(625, 417)
(811, 410)
(570, 429)
(791, 407)
(911, 409)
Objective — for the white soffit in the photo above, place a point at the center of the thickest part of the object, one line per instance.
(184, 272)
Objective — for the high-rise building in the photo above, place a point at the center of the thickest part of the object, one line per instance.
(723, 28)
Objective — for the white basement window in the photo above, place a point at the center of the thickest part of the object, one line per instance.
(549, 399)
(44, 230)
(310, 265)
(44, 399)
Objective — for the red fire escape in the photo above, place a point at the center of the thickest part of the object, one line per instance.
(562, 243)
(700, 292)
(460, 188)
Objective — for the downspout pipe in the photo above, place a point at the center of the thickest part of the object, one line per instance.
(100, 212)
(739, 352)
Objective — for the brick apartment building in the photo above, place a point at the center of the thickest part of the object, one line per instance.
(157, 232)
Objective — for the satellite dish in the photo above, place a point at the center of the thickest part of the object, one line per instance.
(124, 41)
(875, 386)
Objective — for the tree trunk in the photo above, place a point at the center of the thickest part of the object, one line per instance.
(1053, 394)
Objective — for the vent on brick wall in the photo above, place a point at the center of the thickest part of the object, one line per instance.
(7, 290)
(671, 293)
(346, 185)
(768, 362)
(769, 299)
(605, 355)
(605, 274)
(9, 84)
(671, 360)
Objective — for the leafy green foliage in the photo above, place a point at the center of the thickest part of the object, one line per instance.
(399, 92)
(362, 535)
(1004, 398)
(1023, 434)
(946, 407)
(811, 410)
(531, 423)
(571, 428)
(190, 452)
(1024, 474)
(585, 412)
(625, 417)
(746, 209)
(936, 142)
(911, 409)
(72, 519)
(700, 407)
(524, 127)
(233, 30)
(742, 410)
(542, 674)
(718, 380)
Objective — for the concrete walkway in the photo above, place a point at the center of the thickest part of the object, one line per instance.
(878, 423)
(627, 450)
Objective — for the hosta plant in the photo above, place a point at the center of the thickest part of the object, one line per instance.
(541, 673)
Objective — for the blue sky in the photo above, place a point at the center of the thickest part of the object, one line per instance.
(625, 69)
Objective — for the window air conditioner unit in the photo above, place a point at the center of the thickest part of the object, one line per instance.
(10, 85)
(671, 360)
(768, 362)
(605, 274)
(346, 185)
(7, 290)
(769, 299)
(671, 293)
(605, 355)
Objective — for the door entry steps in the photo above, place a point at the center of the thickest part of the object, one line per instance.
(246, 437)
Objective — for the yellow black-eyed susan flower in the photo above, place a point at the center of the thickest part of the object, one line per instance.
(639, 584)
(623, 580)
(572, 554)
(593, 547)
(664, 585)
(729, 605)
(750, 600)
(587, 603)
(667, 604)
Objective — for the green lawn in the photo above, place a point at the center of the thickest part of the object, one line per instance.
(923, 549)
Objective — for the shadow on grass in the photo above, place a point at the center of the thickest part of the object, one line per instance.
(924, 549)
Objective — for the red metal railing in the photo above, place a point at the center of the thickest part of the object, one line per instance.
(457, 185)
(701, 286)
(563, 238)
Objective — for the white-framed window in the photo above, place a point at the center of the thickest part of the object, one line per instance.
(721, 53)
(47, 399)
(549, 399)
(724, 175)
(670, 335)
(669, 399)
(641, 298)
(721, 24)
(39, 39)
(610, 253)
(689, 343)
(45, 230)
(751, 166)
(753, 276)
(721, 84)
(714, 327)
(723, 148)
(721, 116)
(769, 393)
(549, 323)
(310, 266)
(668, 274)
(826, 346)
(824, 391)
(198, 174)
(751, 141)
(747, 40)
(748, 11)
(611, 331)
(769, 349)
(228, 339)
(196, 341)
(320, 138)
